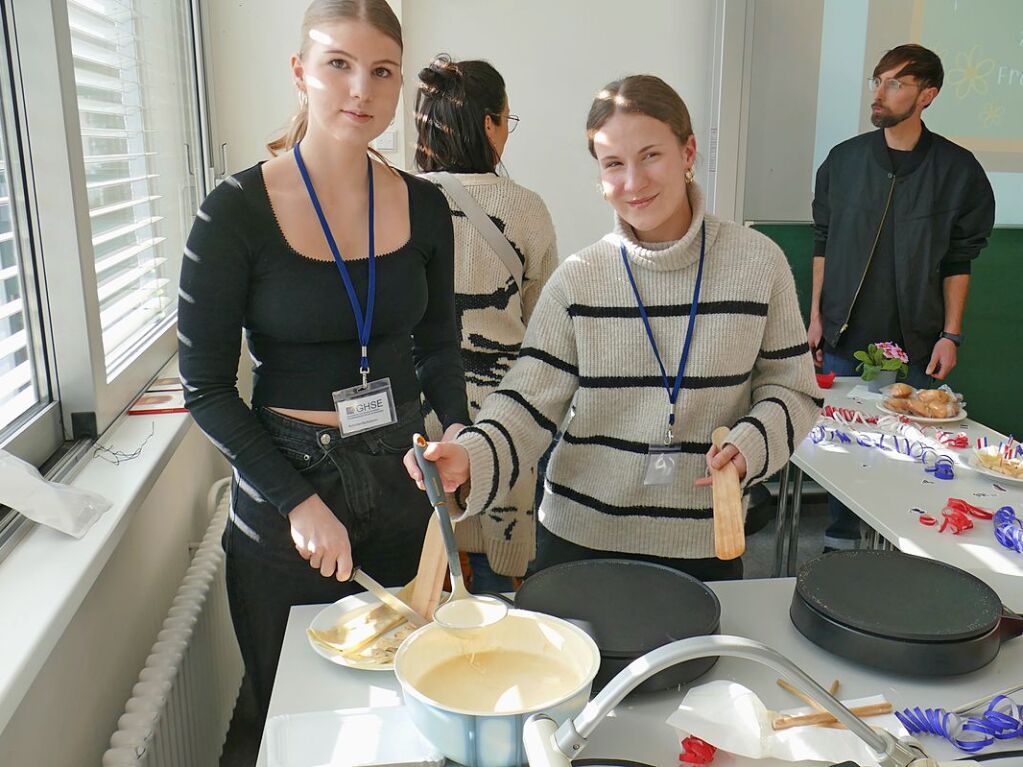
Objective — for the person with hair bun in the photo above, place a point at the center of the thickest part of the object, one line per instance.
(463, 122)
(673, 324)
(340, 270)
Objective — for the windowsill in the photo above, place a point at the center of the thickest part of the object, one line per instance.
(47, 576)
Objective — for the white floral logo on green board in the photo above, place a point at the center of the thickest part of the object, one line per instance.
(971, 73)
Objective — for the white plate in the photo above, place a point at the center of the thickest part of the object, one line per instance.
(921, 419)
(982, 469)
(350, 607)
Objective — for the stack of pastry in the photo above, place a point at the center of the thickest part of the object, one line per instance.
(995, 459)
(922, 403)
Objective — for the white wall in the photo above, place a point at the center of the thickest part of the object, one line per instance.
(780, 166)
(250, 44)
(68, 715)
(554, 57)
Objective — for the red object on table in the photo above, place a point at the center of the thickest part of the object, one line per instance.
(824, 380)
(961, 506)
(948, 439)
(928, 520)
(696, 751)
(847, 414)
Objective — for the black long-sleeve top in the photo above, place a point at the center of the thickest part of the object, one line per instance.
(240, 272)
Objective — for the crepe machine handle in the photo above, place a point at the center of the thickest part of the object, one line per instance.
(1010, 625)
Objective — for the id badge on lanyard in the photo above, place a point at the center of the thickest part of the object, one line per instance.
(662, 458)
(369, 405)
(365, 407)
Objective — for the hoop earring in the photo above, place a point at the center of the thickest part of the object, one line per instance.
(690, 176)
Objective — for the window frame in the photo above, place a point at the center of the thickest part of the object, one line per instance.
(89, 400)
(36, 434)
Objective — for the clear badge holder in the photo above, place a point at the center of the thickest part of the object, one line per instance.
(661, 463)
(365, 407)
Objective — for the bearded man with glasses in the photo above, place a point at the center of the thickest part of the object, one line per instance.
(899, 215)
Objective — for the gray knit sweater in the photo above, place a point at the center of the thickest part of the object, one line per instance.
(492, 317)
(749, 368)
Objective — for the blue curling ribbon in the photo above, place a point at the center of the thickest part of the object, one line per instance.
(942, 468)
(940, 465)
(1008, 529)
(1001, 720)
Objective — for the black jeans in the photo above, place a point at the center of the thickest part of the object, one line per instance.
(552, 550)
(362, 480)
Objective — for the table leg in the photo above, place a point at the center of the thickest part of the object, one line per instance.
(797, 503)
(780, 529)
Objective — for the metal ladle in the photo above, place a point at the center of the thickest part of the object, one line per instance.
(463, 611)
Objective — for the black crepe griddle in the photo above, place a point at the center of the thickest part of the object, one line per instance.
(630, 608)
(900, 613)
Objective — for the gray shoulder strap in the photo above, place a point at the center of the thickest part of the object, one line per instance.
(479, 219)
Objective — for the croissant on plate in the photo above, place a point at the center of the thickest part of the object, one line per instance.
(942, 409)
(936, 395)
(898, 404)
(900, 390)
(919, 407)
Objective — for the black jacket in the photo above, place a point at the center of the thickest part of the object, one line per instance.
(942, 208)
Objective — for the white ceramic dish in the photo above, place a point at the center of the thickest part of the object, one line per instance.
(996, 475)
(920, 419)
(348, 608)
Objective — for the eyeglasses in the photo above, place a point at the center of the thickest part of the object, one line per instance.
(513, 123)
(892, 86)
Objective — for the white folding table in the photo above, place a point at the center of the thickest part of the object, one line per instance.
(882, 487)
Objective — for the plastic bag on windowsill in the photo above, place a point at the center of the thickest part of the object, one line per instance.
(61, 507)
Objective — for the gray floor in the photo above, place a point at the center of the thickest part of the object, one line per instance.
(758, 561)
(242, 744)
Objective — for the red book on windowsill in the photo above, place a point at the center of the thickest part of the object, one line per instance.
(152, 402)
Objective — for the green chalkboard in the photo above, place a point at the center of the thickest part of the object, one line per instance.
(990, 368)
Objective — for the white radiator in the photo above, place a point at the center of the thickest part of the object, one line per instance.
(181, 707)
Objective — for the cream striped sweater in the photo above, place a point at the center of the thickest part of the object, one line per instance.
(492, 317)
(749, 368)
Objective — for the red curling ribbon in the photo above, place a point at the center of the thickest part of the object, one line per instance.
(948, 439)
(696, 751)
(964, 508)
(847, 414)
(928, 520)
(956, 517)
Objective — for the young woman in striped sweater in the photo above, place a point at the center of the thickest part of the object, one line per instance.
(712, 297)
(463, 125)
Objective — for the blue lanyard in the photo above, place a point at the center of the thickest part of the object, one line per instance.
(363, 323)
(672, 391)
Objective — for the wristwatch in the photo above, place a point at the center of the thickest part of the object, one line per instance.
(955, 338)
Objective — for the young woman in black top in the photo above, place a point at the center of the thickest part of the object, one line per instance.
(340, 271)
